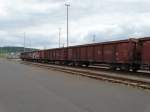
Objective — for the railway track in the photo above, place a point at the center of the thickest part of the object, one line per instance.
(130, 80)
(139, 73)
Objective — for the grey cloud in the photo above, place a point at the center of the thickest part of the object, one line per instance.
(129, 13)
(127, 31)
(48, 1)
(23, 19)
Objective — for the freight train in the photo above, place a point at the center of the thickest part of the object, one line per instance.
(129, 55)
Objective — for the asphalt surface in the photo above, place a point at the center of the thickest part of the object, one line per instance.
(31, 89)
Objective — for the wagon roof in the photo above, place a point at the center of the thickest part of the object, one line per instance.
(144, 39)
(99, 43)
(103, 43)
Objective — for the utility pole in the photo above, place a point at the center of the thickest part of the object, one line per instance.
(63, 45)
(30, 44)
(24, 42)
(94, 38)
(67, 4)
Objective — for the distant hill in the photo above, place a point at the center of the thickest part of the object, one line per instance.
(14, 49)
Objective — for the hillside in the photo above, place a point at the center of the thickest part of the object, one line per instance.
(14, 49)
(12, 52)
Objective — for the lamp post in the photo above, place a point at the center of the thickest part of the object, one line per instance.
(67, 4)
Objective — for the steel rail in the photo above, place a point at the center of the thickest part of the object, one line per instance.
(134, 81)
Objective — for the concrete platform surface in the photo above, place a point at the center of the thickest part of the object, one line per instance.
(31, 89)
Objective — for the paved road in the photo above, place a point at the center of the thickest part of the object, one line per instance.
(29, 89)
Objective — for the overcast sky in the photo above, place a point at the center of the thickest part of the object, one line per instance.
(41, 19)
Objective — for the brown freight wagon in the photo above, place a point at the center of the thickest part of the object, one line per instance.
(118, 54)
(53, 54)
(77, 55)
(41, 55)
(73, 55)
(27, 55)
(144, 44)
(46, 55)
(124, 55)
(58, 55)
(49, 55)
(70, 54)
(63, 54)
(35, 56)
(23, 56)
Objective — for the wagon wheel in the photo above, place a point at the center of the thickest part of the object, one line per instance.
(113, 67)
